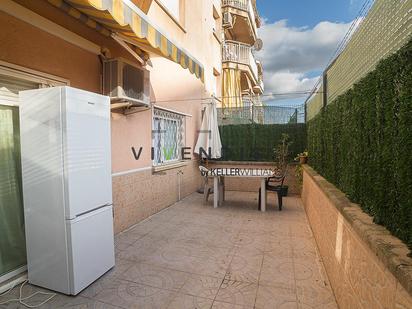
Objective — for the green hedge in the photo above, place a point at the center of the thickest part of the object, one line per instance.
(362, 142)
(255, 142)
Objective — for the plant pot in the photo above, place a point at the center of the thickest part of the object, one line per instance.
(284, 190)
(303, 159)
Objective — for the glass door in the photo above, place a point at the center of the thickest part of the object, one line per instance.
(12, 237)
(12, 240)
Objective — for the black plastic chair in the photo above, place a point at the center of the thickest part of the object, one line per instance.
(275, 184)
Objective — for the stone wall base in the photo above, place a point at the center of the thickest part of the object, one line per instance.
(367, 267)
(139, 195)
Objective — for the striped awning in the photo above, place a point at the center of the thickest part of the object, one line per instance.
(232, 89)
(124, 18)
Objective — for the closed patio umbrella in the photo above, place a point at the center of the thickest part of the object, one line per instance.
(209, 137)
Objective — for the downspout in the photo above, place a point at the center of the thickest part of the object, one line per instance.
(179, 181)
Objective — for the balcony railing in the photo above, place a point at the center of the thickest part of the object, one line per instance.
(239, 4)
(240, 53)
(244, 5)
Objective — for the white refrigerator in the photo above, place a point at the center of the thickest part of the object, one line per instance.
(67, 187)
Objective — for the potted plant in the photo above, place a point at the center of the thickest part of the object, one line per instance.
(281, 154)
(299, 174)
(302, 157)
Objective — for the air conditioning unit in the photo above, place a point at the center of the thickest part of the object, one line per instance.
(227, 20)
(124, 82)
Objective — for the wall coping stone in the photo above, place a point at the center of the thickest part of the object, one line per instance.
(390, 250)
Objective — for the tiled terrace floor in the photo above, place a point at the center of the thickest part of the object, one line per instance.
(193, 256)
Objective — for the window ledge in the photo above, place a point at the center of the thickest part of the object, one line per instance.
(169, 166)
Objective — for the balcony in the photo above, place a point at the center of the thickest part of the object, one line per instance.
(240, 56)
(240, 20)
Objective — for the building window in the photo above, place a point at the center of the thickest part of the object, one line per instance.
(173, 6)
(217, 28)
(168, 136)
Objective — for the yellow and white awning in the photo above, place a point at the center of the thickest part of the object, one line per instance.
(129, 21)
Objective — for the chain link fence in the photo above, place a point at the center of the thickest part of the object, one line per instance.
(382, 32)
(267, 114)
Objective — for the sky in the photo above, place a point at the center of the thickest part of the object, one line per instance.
(299, 38)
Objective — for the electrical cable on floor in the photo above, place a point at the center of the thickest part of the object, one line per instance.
(22, 299)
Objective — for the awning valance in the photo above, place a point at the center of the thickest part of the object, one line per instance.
(124, 18)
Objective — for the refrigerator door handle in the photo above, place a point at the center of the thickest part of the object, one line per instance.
(93, 210)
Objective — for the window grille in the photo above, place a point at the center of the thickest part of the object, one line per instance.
(167, 136)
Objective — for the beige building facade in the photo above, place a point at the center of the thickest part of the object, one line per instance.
(242, 72)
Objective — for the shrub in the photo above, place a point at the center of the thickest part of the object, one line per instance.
(255, 142)
(362, 143)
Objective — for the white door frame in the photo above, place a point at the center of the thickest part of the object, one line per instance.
(17, 71)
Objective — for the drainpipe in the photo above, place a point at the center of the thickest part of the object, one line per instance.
(179, 180)
(104, 54)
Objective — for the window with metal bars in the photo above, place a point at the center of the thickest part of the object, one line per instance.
(167, 136)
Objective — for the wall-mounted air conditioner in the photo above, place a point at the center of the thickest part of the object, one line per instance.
(124, 82)
(227, 20)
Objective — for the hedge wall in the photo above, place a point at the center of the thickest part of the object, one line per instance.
(362, 142)
(255, 142)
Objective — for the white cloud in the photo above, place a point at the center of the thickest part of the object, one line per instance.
(283, 82)
(290, 53)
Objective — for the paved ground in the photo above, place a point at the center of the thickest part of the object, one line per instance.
(194, 256)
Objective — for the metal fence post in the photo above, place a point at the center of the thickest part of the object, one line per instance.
(305, 112)
(325, 88)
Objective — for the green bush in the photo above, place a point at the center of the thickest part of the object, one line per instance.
(255, 142)
(362, 143)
